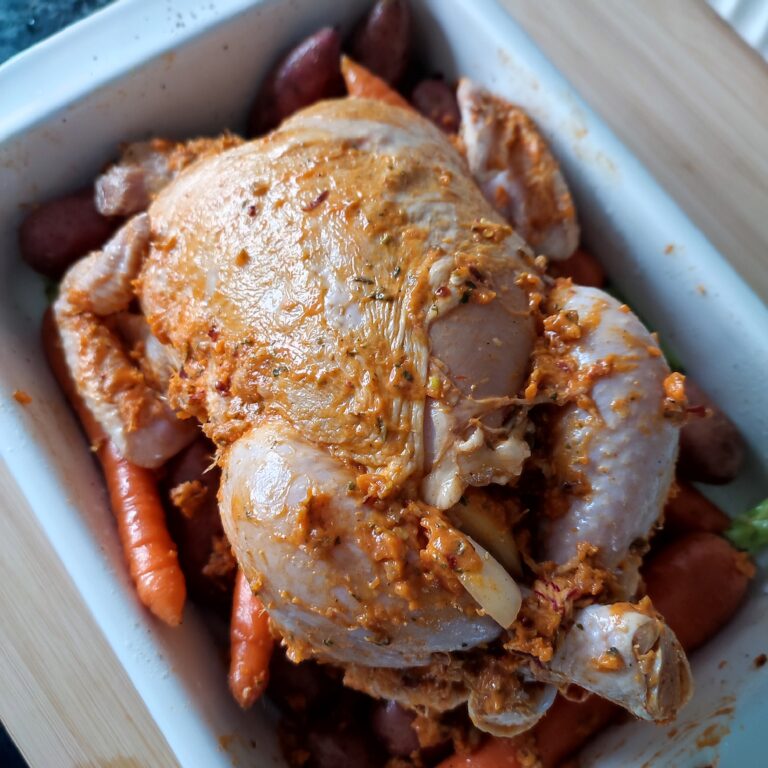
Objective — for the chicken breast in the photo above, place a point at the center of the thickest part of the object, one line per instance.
(343, 581)
(308, 276)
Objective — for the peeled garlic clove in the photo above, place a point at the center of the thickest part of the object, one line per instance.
(492, 588)
(475, 516)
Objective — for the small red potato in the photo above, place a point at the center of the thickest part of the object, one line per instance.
(308, 73)
(57, 233)
(582, 267)
(711, 447)
(382, 41)
(436, 100)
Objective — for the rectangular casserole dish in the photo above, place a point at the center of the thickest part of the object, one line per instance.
(185, 67)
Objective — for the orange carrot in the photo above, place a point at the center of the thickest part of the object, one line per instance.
(568, 725)
(688, 510)
(250, 643)
(152, 557)
(147, 545)
(564, 729)
(695, 565)
(582, 267)
(494, 753)
(363, 84)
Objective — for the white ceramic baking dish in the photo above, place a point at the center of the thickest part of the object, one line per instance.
(187, 67)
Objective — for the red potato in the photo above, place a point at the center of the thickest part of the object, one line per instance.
(300, 687)
(60, 231)
(711, 447)
(341, 745)
(382, 41)
(309, 73)
(688, 510)
(697, 583)
(436, 100)
(338, 734)
(392, 724)
(582, 267)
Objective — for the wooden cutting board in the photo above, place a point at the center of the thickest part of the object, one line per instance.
(687, 96)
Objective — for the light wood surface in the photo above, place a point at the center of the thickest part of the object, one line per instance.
(685, 94)
(64, 696)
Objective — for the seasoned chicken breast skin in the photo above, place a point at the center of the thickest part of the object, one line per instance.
(302, 275)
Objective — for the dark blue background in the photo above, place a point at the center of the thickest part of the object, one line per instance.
(23, 23)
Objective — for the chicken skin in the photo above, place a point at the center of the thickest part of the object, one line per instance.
(289, 288)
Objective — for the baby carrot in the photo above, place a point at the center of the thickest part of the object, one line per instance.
(568, 725)
(152, 557)
(565, 728)
(250, 644)
(147, 545)
(693, 565)
(688, 511)
(495, 753)
(363, 84)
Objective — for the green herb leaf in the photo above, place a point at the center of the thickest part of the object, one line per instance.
(749, 530)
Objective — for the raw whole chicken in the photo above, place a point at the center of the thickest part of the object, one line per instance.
(372, 347)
